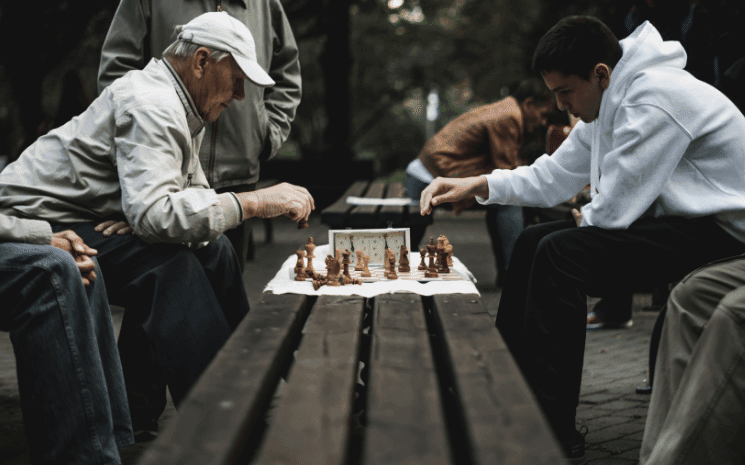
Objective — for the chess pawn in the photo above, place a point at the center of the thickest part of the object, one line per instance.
(422, 265)
(365, 270)
(300, 267)
(392, 264)
(403, 261)
(359, 266)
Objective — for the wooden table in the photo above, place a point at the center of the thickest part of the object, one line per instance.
(438, 387)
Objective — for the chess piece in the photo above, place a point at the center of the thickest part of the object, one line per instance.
(403, 260)
(333, 266)
(338, 254)
(365, 270)
(422, 265)
(449, 248)
(431, 251)
(309, 248)
(302, 224)
(300, 267)
(442, 255)
(346, 261)
(392, 267)
(359, 266)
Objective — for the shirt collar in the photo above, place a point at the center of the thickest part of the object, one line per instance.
(195, 122)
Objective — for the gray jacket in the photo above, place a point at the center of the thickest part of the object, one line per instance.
(247, 132)
(132, 153)
(24, 230)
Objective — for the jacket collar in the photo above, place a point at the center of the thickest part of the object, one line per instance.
(195, 122)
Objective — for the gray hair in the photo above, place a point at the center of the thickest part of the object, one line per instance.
(185, 49)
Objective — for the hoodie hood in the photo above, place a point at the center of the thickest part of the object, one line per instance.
(643, 51)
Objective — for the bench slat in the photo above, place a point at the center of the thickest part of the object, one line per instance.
(490, 387)
(366, 216)
(335, 215)
(227, 405)
(405, 421)
(396, 215)
(313, 418)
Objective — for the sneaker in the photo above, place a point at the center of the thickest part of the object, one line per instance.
(595, 322)
(145, 430)
(574, 449)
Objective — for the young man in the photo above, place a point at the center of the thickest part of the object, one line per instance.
(134, 155)
(665, 156)
(477, 142)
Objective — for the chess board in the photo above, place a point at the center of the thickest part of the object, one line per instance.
(414, 275)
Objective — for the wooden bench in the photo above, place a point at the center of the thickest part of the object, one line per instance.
(438, 387)
(341, 215)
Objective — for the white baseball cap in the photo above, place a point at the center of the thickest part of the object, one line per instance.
(220, 31)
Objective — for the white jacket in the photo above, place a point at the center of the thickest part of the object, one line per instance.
(664, 144)
(132, 154)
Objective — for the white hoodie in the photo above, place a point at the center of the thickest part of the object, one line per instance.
(664, 144)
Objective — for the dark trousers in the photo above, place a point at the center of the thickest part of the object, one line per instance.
(555, 266)
(181, 305)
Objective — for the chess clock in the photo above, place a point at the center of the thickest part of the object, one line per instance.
(372, 242)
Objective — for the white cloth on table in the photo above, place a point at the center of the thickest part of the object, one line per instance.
(283, 282)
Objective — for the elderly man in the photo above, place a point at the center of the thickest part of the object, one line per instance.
(133, 155)
(248, 132)
(69, 375)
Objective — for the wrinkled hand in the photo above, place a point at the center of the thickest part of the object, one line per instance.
(295, 202)
(577, 216)
(74, 245)
(110, 227)
(452, 190)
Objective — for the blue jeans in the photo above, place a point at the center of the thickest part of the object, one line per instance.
(504, 223)
(181, 306)
(69, 375)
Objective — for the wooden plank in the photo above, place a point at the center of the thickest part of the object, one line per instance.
(405, 420)
(336, 214)
(226, 407)
(396, 215)
(312, 424)
(366, 216)
(501, 419)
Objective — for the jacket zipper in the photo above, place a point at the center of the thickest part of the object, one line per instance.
(213, 142)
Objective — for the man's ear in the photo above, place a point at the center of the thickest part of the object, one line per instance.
(602, 71)
(201, 61)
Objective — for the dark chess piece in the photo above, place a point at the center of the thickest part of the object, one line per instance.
(422, 265)
(300, 266)
(333, 266)
(392, 267)
(442, 255)
(403, 260)
(346, 262)
(431, 252)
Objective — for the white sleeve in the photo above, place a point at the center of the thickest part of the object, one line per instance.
(647, 147)
(550, 180)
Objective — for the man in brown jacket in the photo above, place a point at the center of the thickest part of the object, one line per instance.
(477, 142)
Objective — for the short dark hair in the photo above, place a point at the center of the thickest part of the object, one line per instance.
(575, 45)
(535, 88)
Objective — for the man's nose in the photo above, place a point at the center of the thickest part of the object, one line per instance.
(560, 104)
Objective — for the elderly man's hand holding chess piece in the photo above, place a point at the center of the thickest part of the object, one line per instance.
(289, 200)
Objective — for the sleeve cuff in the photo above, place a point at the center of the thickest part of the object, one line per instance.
(231, 209)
